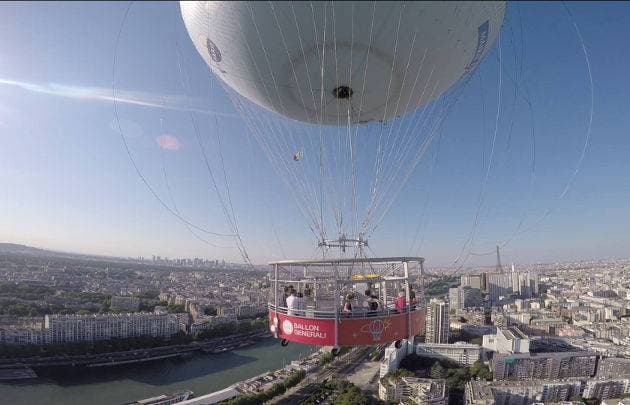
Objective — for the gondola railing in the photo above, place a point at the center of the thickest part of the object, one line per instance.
(354, 314)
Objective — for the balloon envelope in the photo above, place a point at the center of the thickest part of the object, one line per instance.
(340, 62)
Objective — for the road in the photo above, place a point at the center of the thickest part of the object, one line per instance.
(339, 368)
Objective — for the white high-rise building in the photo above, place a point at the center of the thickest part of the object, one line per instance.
(413, 390)
(464, 297)
(463, 353)
(474, 281)
(508, 340)
(455, 298)
(524, 283)
(437, 325)
(91, 328)
(393, 357)
(499, 285)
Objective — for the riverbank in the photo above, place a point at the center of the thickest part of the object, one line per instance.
(217, 345)
(264, 387)
(203, 373)
(18, 373)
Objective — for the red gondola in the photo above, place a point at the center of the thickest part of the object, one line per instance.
(332, 302)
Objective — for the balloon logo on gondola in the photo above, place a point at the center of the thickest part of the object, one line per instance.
(287, 327)
(376, 328)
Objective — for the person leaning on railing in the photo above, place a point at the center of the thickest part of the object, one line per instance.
(373, 305)
(347, 306)
(400, 303)
(300, 304)
(292, 302)
(413, 299)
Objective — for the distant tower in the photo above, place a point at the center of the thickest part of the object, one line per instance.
(499, 267)
(437, 326)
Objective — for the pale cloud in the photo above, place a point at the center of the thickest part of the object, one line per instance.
(168, 142)
(122, 96)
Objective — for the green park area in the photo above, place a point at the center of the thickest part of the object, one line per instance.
(338, 392)
(439, 288)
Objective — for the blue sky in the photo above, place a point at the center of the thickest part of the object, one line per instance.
(66, 182)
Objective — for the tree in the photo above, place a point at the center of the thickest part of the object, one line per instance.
(456, 383)
(349, 394)
(275, 390)
(437, 370)
(401, 372)
(146, 306)
(175, 309)
(150, 294)
(294, 379)
(481, 370)
(210, 311)
(326, 358)
(352, 398)
(457, 379)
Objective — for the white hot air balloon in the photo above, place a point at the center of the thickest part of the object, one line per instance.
(314, 61)
(361, 89)
(344, 98)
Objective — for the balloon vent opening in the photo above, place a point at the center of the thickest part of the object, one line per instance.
(342, 92)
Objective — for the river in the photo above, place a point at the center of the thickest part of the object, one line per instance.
(203, 373)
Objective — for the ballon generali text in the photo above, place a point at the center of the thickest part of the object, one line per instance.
(311, 331)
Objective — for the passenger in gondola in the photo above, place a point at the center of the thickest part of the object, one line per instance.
(300, 304)
(347, 306)
(357, 300)
(307, 291)
(373, 305)
(367, 295)
(286, 294)
(400, 303)
(292, 302)
(413, 299)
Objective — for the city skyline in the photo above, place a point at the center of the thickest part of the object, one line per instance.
(175, 259)
(561, 327)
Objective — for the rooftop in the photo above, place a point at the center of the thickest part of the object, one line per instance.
(512, 333)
